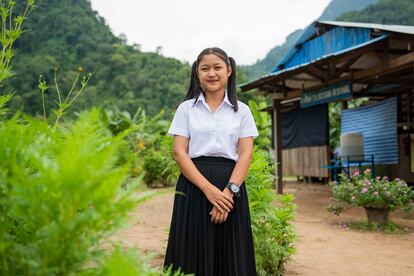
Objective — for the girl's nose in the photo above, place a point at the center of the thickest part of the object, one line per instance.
(211, 73)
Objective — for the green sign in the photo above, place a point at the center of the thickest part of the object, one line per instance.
(328, 94)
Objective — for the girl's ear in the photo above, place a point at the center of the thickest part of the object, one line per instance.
(229, 71)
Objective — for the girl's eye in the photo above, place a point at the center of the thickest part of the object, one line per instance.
(218, 68)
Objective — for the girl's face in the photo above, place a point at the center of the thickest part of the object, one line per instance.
(213, 73)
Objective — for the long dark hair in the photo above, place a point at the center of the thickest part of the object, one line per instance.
(194, 89)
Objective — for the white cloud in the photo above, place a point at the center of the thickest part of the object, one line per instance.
(247, 30)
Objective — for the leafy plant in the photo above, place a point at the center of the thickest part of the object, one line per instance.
(334, 113)
(150, 144)
(271, 217)
(263, 124)
(60, 194)
(129, 263)
(63, 189)
(365, 191)
(159, 165)
(11, 30)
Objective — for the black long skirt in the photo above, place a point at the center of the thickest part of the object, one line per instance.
(200, 247)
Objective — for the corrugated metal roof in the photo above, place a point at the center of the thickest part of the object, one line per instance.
(388, 28)
(331, 42)
(311, 47)
(359, 33)
(346, 35)
(317, 59)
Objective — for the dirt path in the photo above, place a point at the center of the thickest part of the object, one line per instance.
(323, 248)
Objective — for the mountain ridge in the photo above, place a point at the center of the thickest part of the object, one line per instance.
(67, 34)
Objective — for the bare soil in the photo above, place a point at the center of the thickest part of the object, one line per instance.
(323, 247)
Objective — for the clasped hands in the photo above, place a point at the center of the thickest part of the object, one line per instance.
(222, 203)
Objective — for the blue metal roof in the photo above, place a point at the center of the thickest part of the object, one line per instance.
(294, 67)
(334, 41)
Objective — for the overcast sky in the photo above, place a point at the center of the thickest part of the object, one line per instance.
(246, 30)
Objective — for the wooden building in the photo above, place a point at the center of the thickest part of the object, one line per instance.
(339, 61)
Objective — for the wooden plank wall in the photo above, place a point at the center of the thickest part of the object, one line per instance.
(403, 169)
(305, 161)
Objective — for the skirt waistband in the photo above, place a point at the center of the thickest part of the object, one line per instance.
(213, 160)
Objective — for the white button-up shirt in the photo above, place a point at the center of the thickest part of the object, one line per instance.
(213, 133)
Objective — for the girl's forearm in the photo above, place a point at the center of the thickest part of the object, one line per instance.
(190, 171)
(241, 169)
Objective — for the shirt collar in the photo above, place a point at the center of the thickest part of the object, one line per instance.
(201, 98)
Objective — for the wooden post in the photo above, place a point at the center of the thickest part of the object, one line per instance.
(278, 145)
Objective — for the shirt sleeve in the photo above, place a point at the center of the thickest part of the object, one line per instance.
(179, 124)
(248, 126)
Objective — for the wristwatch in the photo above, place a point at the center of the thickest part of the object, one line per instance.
(234, 188)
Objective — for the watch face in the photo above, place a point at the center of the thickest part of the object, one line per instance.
(234, 188)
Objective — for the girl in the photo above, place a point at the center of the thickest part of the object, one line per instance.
(210, 231)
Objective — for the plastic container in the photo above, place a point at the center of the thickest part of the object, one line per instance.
(352, 146)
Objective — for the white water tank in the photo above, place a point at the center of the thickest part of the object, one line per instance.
(352, 146)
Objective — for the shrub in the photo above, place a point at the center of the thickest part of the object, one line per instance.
(273, 232)
(60, 194)
(159, 165)
(149, 142)
(263, 123)
(380, 192)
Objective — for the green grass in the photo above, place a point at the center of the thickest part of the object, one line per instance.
(388, 228)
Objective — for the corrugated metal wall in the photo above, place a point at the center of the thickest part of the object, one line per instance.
(378, 123)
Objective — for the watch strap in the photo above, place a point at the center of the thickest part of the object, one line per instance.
(228, 186)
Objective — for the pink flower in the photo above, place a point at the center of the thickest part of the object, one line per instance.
(356, 173)
(367, 171)
(364, 190)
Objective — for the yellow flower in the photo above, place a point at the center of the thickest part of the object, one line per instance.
(140, 145)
